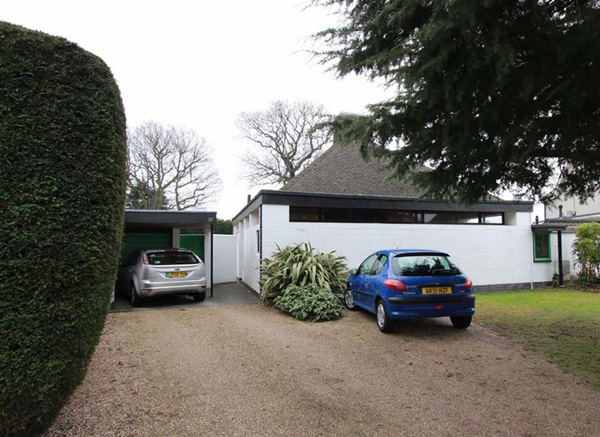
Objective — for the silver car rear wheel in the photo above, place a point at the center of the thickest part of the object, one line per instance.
(199, 297)
(133, 297)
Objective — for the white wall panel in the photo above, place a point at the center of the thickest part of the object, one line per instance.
(489, 254)
(248, 256)
(224, 258)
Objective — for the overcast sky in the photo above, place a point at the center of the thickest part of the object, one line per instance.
(200, 63)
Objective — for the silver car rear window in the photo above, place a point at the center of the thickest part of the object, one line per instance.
(424, 265)
(171, 258)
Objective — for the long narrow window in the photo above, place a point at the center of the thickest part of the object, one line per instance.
(304, 214)
(363, 215)
(492, 218)
(471, 218)
(392, 216)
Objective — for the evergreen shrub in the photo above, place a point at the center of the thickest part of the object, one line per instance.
(62, 185)
(302, 265)
(309, 301)
(586, 249)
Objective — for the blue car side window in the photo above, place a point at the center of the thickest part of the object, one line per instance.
(366, 267)
(379, 265)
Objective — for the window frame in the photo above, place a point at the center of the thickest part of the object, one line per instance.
(373, 258)
(172, 256)
(304, 211)
(320, 214)
(456, 214)
(258, 241)
(380, 265)
(483, 215)
(535, 239)
(396, 264)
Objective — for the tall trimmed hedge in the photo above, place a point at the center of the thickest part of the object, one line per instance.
(62, 185)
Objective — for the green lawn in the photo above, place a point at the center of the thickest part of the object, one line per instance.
(562, 325)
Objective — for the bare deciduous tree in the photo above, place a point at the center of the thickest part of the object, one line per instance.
(174, 166)
(289, 136)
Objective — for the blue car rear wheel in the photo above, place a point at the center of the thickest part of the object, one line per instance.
(461, 322)
(383, 321)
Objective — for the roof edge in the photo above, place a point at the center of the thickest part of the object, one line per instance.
(168, 217)
(275, 197)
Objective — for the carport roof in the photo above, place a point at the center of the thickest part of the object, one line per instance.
(171, 219)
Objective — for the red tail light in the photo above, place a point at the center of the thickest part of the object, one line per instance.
(395, 284)
(145, 259)
(468, 284)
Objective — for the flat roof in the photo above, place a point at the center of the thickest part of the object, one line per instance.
(575, 219)
(274, 197)
(548, 227)
(168, 218)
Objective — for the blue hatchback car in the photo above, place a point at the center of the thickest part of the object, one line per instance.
(411, 283)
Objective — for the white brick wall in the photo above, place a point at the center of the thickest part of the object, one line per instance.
(207, 251)
(224, 258)
(488, 254)
(248, 258)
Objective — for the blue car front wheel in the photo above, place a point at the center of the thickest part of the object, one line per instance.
(349, 300)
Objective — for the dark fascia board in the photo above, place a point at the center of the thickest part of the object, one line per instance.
(548, 227)
(251, 206)
(170, 219)
(273, 197)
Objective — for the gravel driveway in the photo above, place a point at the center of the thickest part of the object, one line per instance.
(249, 370)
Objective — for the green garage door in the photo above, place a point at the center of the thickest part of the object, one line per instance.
(193, 242)
(133, 240)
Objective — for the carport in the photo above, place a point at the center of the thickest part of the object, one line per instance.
(151, 229)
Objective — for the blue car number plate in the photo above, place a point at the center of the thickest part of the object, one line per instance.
(437, 290)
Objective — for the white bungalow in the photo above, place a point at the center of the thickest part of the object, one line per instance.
(345, 204)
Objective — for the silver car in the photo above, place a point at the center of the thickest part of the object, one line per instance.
(147, 273)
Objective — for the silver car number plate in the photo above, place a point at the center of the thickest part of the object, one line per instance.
(176, 274)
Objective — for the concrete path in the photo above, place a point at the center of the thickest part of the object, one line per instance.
(249, 370)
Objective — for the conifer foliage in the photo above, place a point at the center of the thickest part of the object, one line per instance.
(492, 94)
